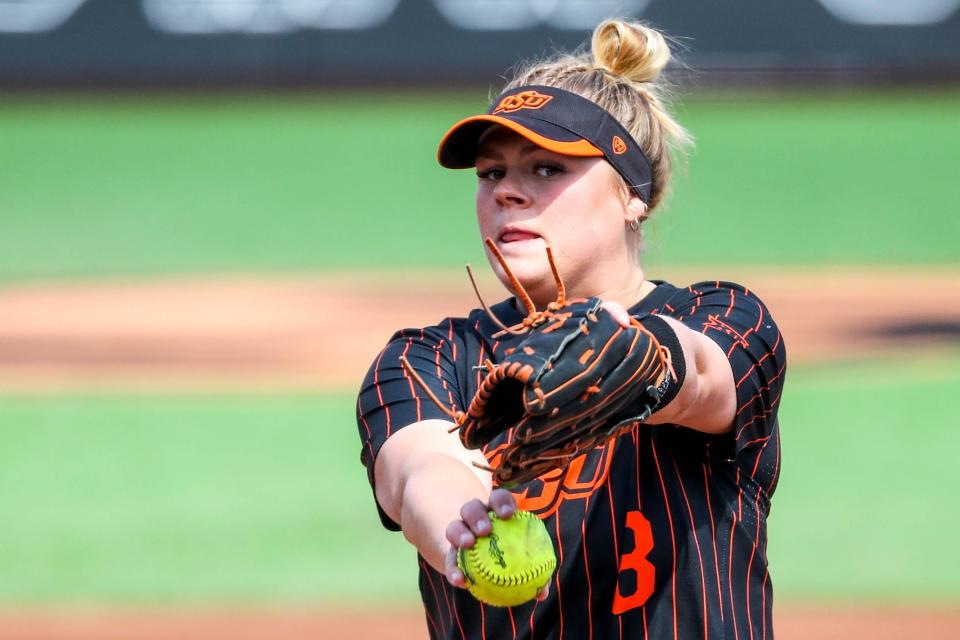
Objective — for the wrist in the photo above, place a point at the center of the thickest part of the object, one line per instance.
(675, 373)
(432, 498)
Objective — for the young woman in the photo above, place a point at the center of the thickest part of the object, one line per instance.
(660, 533)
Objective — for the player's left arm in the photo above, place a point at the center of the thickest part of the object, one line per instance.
(707, 399)
(734, 360)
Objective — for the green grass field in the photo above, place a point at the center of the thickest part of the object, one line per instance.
(173, 499)
(144, 185)
(152, 499)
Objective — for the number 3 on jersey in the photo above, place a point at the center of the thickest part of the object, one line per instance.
(637, 562)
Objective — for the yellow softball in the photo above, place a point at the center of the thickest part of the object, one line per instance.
(511, 564)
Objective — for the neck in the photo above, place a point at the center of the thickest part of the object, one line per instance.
(627, 290)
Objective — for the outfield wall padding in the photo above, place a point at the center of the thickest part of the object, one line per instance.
(214, 42)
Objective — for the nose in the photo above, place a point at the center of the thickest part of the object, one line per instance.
(509, 193)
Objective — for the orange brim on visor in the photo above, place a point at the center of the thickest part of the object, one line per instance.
(458, 148)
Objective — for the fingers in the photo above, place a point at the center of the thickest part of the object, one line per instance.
(452, 571)
(619, 314)
(462, 534)
(474, 523)
(544, 593)
(459, 535)
(502, 503)
(475, 519)
(474, 516)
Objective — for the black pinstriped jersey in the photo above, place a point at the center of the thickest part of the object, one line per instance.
(660, 533)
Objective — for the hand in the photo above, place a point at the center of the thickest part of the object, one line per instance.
(475, 523)
(618, 312)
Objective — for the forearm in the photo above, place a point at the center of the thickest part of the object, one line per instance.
(423, 476)
(706, 401)
(432, 497)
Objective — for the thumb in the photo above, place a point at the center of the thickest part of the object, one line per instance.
(617, 311)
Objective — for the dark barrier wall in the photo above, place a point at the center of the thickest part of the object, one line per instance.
(217, 41)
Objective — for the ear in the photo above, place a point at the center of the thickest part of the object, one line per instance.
(636, 209)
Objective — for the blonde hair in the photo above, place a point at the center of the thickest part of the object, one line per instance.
(621, 73)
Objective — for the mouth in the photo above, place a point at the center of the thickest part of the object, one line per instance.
(510, 236)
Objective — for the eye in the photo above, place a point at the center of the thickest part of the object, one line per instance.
(493, 173)
(548, 170)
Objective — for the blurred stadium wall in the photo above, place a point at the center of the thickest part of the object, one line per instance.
(231, 42)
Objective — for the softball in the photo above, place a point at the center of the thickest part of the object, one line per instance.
(511, 564)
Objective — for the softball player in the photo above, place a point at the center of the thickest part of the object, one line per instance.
(660, 533)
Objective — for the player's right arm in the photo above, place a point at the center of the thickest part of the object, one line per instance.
(427, 482)
(423, 477)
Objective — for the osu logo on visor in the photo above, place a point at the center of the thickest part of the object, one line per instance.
(523, 100)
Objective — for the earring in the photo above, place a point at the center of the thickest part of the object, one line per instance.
(635, 224)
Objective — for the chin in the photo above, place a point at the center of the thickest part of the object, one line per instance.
(533, 271)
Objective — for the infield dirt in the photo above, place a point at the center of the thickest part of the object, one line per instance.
(809, 622)
(276, 333)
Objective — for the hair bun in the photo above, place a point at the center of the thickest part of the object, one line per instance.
(631, 50)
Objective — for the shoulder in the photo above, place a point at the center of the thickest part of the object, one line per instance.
(446, 344)
(717, 303)
(671, 299)
(730, 313)
(447, 331)
(476, 326)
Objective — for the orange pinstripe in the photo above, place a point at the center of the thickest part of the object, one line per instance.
(766, 575)
(413, 391)
(376, 383)
(616, 544)
(586, 563)
(756, 327)
(456, 614)
(696, 540)
(762, 389)
(556, 575)
(713, 537)
(533, 612)
(733, 609)
(739, 496)
(760, 361)
(363, 421)
(673, 539)
(753, 554)
(763, 414)
(756, 464)
(436, 598)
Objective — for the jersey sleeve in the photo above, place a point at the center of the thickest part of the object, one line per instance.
(390, 399)
(737, 320)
